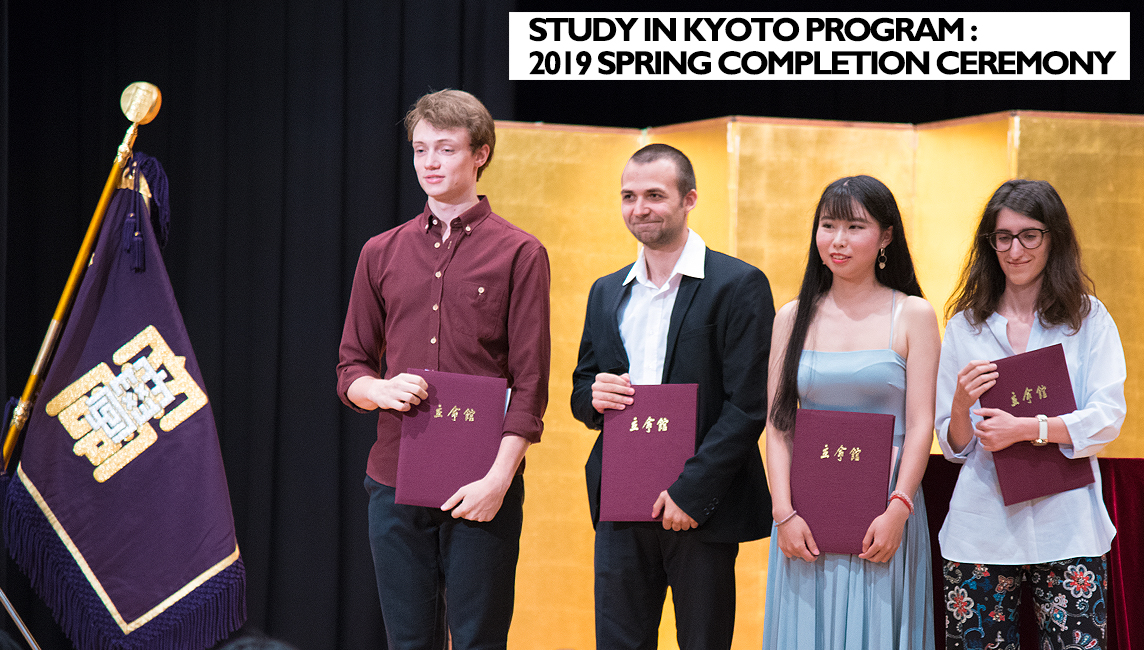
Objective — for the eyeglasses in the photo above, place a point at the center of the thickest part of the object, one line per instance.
(1002, 241)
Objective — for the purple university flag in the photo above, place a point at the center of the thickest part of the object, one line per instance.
(119, 511)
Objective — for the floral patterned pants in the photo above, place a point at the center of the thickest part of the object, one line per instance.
(981, 602)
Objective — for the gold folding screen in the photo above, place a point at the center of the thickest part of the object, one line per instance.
(562, 185)
(1096, 162)
(758, 182)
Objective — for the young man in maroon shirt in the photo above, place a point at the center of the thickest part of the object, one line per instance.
(456, 289)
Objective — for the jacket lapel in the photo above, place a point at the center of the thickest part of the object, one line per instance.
(687, 288)
(615, 341)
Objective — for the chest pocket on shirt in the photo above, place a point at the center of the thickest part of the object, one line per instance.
(480, 310)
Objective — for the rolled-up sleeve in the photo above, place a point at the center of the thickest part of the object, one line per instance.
(1101, 407)
(363, 335)
(529, 344)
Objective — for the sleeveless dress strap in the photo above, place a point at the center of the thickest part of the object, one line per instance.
(893, 314)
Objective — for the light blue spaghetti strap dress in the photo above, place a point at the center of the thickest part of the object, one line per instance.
(839, 601)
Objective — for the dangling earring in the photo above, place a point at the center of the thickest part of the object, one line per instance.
(882, 257)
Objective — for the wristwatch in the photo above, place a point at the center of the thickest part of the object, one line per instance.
(1042, 431)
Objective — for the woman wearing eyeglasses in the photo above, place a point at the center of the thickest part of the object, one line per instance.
(1022, 289)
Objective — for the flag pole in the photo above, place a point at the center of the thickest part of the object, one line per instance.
(140, 103)
(18, 621)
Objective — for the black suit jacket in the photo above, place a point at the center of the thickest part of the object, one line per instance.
(719, 338)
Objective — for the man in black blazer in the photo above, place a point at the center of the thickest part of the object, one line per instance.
(681, 314)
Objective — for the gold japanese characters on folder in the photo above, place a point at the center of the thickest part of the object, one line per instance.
(469, 414)
(855, 453)
(1027, 395)
(659, 424)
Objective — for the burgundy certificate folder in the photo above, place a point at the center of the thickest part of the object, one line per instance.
(645, 448)
(450, 439)
(1030, 384)
(840, 474)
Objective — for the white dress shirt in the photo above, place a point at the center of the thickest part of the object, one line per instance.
(979, 527)
(646, 312)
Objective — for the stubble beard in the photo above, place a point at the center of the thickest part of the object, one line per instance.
(658, 235)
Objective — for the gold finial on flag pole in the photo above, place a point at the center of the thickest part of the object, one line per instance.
(140, 104)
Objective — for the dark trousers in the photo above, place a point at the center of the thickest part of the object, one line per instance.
(425, 559)
(982, 602)
(637, 562)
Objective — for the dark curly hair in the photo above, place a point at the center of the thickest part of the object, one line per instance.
(1065, 287)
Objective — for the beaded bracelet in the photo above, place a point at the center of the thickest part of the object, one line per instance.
(787, 518)
(898, 494)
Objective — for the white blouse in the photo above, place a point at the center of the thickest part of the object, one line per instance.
(979, 527)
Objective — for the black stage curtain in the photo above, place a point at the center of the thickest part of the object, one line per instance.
(281, 135)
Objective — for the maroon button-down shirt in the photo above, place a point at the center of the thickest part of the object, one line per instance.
(477, 303)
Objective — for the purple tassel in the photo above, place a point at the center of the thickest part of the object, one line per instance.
(139, 263)
(130, 227)
(198, 620)
(160, 210)
(157, 181)
(133, 242)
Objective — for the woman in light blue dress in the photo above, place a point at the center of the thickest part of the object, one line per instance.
(859, 338)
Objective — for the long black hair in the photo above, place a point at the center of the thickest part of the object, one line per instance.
(1065, 287)
(839, 201)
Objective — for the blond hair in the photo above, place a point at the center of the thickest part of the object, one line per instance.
(456, 109)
